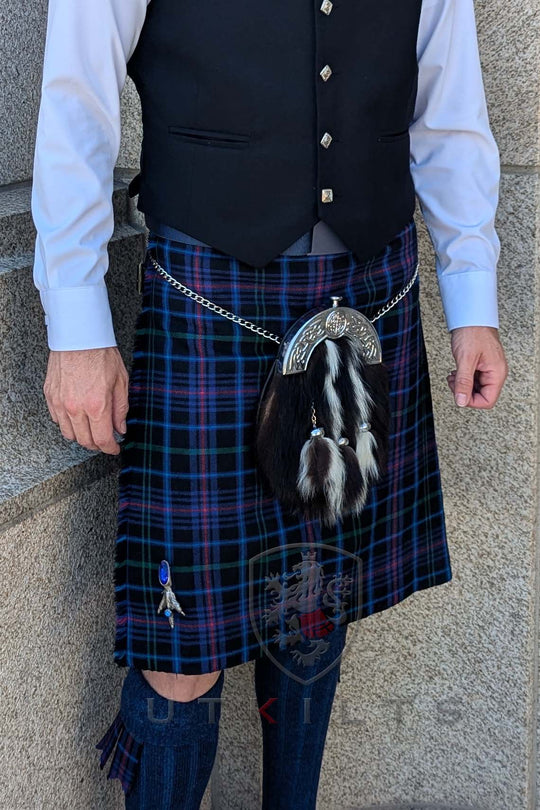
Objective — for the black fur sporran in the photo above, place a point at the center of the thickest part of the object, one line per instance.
(323, 420)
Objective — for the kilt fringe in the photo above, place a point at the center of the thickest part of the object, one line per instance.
(125, 751)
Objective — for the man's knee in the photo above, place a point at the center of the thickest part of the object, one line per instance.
(180, 687)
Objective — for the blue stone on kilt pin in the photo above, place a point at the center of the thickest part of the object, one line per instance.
(164, 573)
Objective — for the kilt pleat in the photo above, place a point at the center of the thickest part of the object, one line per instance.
(189, 489)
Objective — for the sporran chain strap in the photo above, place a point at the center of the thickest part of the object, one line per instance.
(258, 330)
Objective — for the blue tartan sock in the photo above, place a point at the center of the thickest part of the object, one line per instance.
(293, 744)
(179, 743)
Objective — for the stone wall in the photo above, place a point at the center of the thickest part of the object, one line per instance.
(437, 705)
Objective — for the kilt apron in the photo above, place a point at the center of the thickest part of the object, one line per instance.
(247, 573)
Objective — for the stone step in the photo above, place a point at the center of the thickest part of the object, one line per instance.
(35, 460)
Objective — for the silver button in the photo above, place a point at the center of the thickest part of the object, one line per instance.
(326, 140)
(326, 72)
(327, 6)
(327, 195)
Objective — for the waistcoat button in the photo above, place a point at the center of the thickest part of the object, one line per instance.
(326, 140)
(326, 6)
(327, 195)
(326, 72)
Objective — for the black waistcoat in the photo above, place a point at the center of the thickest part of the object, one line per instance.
(235, 112)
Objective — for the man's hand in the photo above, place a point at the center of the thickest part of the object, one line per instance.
(481, 366)
(87, 396)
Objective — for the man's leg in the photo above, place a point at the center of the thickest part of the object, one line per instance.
(166, 739)
(180, 687)
(293, 745)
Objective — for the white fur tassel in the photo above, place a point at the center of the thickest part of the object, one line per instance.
(322, 472)
(365, 441)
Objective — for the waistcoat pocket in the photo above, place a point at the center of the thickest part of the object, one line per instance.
(210, 137)
(393, 136)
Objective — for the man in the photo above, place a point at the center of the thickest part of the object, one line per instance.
(283, 146)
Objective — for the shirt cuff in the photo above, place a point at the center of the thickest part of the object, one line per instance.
(469, 298)
(78, 318)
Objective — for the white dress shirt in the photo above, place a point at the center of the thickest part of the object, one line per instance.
(454, 163)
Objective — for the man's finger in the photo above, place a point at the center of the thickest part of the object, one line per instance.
(66, 428)
(464, 381)
(52, 411)
(487, 387)
(102, 433)
(487, 390)
(120, 405)
(81, 429)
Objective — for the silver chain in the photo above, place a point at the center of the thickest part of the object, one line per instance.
(258, 330)
(397, 298)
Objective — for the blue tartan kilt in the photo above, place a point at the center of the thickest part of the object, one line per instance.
(247, 573)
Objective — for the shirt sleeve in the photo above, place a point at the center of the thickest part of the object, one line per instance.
(77, 142)
(455, 163)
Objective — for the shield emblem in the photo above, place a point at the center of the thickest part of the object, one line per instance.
(299, 594)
